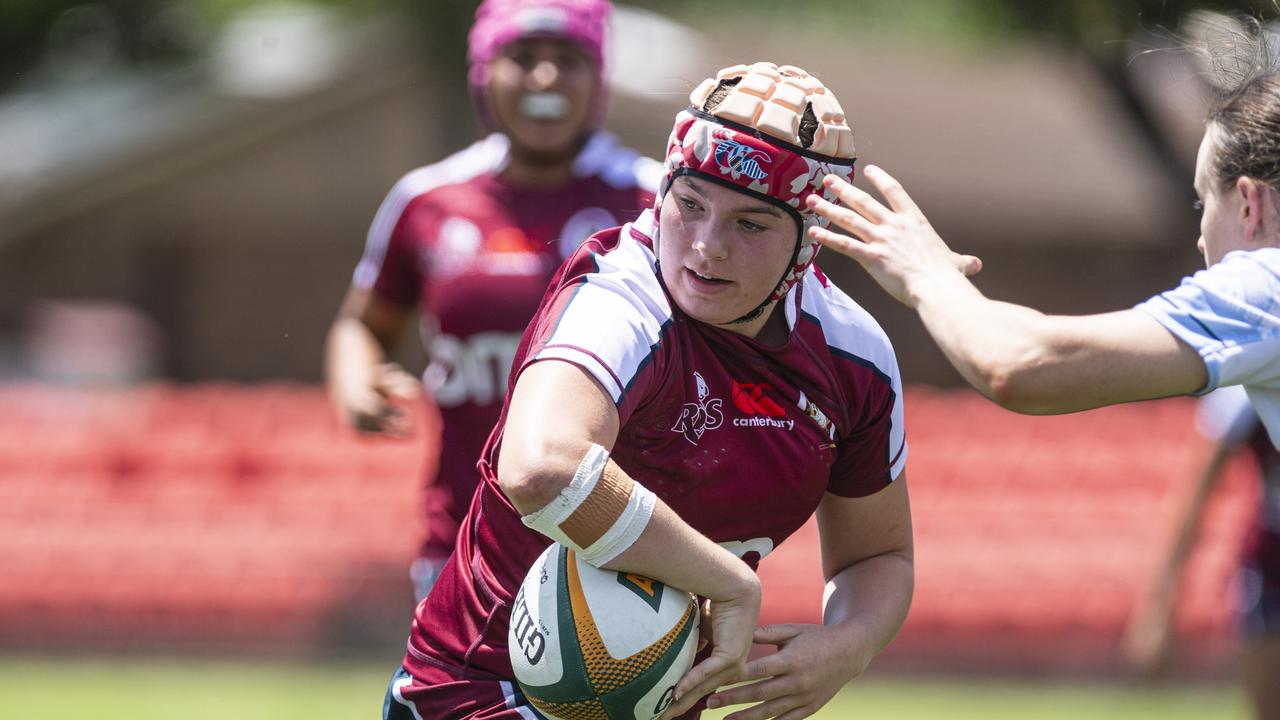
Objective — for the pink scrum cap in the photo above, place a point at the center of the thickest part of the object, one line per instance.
(751, 142)
(500, 22)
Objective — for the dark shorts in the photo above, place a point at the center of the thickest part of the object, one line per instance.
(1258, 584)
(1258, 608)
(410, 699)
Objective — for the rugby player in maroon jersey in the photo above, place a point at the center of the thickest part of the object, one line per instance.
(691, 391)
(471, 242)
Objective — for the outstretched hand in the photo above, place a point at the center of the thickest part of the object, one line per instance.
(896, 244)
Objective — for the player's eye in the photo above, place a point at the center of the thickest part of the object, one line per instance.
(569, 60)
(1198, 206)
(751, 226)
(689, 204)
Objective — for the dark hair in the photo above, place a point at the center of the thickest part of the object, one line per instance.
(1249, 144)
(1238, 54)
(808, 121)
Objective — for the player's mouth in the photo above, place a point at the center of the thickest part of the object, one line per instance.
(706, 283)
(545, 106)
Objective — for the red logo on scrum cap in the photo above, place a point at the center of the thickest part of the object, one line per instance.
(751, 399)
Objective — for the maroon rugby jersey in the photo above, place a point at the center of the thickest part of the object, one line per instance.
(475, 255)
(741, 439)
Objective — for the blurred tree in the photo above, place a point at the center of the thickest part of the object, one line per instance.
(1073, 23)
(24, 26)
(1108, 34)
(1095, 25)
(128, 32)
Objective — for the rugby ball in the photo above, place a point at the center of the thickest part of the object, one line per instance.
(593, 644)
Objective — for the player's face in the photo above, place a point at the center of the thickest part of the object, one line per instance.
(1222, 215)
(541, 91)
(722, 252)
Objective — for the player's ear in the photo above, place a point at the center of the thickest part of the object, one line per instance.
(1248, 209)
(1267, 211)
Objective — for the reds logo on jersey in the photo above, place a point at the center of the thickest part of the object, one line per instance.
(698, 417)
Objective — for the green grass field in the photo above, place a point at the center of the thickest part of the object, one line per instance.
(132, 689)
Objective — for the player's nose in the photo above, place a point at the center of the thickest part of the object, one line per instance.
(543, 75)
(708, 244)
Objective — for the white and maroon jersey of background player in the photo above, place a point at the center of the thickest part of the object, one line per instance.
(741, 439)
(475, 255)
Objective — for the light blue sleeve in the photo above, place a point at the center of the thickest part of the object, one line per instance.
(1230, 314)
(1226, 416)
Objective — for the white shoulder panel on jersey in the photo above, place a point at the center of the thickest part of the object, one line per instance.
(485, 156)
(851, 331)
(847, 326)
(616, 164)
(613, 321)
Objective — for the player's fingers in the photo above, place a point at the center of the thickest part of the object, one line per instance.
(367, 423)
(703, 679)
(396, 422)
(857, 199)
(842, 216)
(706, 628)
(748, 693)
(765, 710)
(969, 264)
(892, 191)
(394, 381)
(799, 713)
(843, 244)
(771, 665)
(364, 411)
(775, 634)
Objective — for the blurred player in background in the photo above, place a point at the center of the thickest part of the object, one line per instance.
(1225, 417)
(472, 241)
(1219, 327)
(690, 392)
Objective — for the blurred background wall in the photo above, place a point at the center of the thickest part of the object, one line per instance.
(213, 166)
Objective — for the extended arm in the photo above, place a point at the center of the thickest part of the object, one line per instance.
(557, 412)
(360, 380)
(1023, 359)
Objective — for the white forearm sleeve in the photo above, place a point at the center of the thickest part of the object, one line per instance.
(599, 514)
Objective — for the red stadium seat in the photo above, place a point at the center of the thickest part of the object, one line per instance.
(241, 516)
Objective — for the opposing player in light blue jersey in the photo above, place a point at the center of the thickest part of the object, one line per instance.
(1220, 327)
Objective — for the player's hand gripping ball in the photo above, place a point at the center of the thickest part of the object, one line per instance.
(592, 644)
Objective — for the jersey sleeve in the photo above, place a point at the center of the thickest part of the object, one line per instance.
(607, 320)
(874, 453)
(1230, 314)
(1226, 416)
(390, 266)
